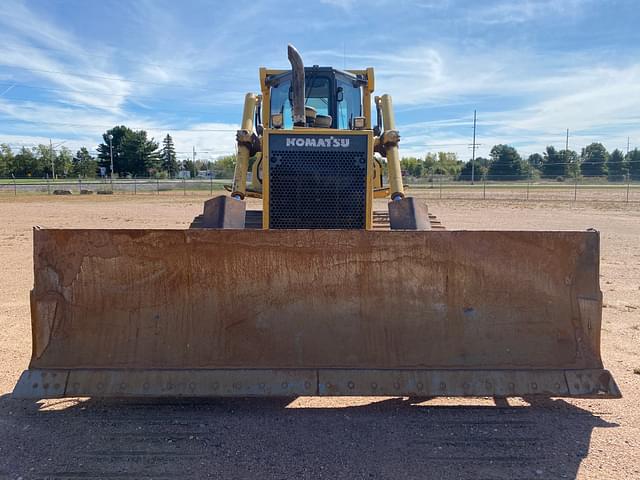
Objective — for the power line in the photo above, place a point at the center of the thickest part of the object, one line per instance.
(473, 154)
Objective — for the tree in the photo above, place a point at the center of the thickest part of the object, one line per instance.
(133, 152)
(27, 163)
(84, 165)
(6, 160)
(430, 162)
(141, 154)
(553, 164)
(442, 163)
(633, 161)
(594, 159)
(448, 164)
(189, 166)
(45, 159)
(570, 157)
(224, 167)
(63, 162)
(479, 170)
(506, 164)
(412, 167)
(168, 156)
(616, 166)
(104, 151)
(535, 160)
(484, 162)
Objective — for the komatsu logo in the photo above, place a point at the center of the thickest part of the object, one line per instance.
(329, 142)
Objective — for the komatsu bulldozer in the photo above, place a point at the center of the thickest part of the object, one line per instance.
(316, 293)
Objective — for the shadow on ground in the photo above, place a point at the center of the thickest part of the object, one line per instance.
(247, 438)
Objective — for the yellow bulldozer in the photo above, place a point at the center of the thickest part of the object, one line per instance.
(316, 293)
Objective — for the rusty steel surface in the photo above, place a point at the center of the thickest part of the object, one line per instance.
(315, 299)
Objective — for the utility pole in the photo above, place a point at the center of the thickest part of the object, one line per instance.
(111, 155)
(194, 162)
(566, 153)
(53, 167)
(566, 161)
(628, 140)
(473, 151)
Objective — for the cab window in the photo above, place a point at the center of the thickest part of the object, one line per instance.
(280, 103)
(317, 93)
(349, 103)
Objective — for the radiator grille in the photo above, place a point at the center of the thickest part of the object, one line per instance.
(318, 187)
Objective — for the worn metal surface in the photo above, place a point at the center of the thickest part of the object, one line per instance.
(409, 213)
(315, 299)
(223, 212)
(41, 384)
(305, 382)
(591, 382)
(465, 383)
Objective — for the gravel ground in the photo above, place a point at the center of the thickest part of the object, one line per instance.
(320, 437)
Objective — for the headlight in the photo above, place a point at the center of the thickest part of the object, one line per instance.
(276, 120)
(359, 123)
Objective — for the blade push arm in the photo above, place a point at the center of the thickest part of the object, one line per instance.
(405, 213)
(248, 145)
(388, 143)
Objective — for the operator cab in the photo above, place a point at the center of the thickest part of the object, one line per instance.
(332, 99)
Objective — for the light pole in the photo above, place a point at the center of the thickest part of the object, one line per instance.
(111, 155)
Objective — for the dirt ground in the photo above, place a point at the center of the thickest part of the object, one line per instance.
(318, 437)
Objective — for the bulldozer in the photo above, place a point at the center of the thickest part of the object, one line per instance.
(316, 293)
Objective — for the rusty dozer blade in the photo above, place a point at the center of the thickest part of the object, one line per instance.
(315, 312)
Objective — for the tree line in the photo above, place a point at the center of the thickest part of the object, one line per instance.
(134, 154)
(505, 163)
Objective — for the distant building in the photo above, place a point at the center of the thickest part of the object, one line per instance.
(184, 174)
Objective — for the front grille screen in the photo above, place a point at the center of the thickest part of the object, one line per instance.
(317, 181)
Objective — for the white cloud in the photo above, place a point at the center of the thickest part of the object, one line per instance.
(521, 11)
(210, 140)
(524, 96)
(80, 128)
(33, 48)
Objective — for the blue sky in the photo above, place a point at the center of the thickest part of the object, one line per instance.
(532, 68)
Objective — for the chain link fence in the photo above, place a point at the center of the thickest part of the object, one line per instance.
(560, 189)
(437, 187)
(145, 186)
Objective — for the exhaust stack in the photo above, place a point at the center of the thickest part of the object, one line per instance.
(297, 86)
